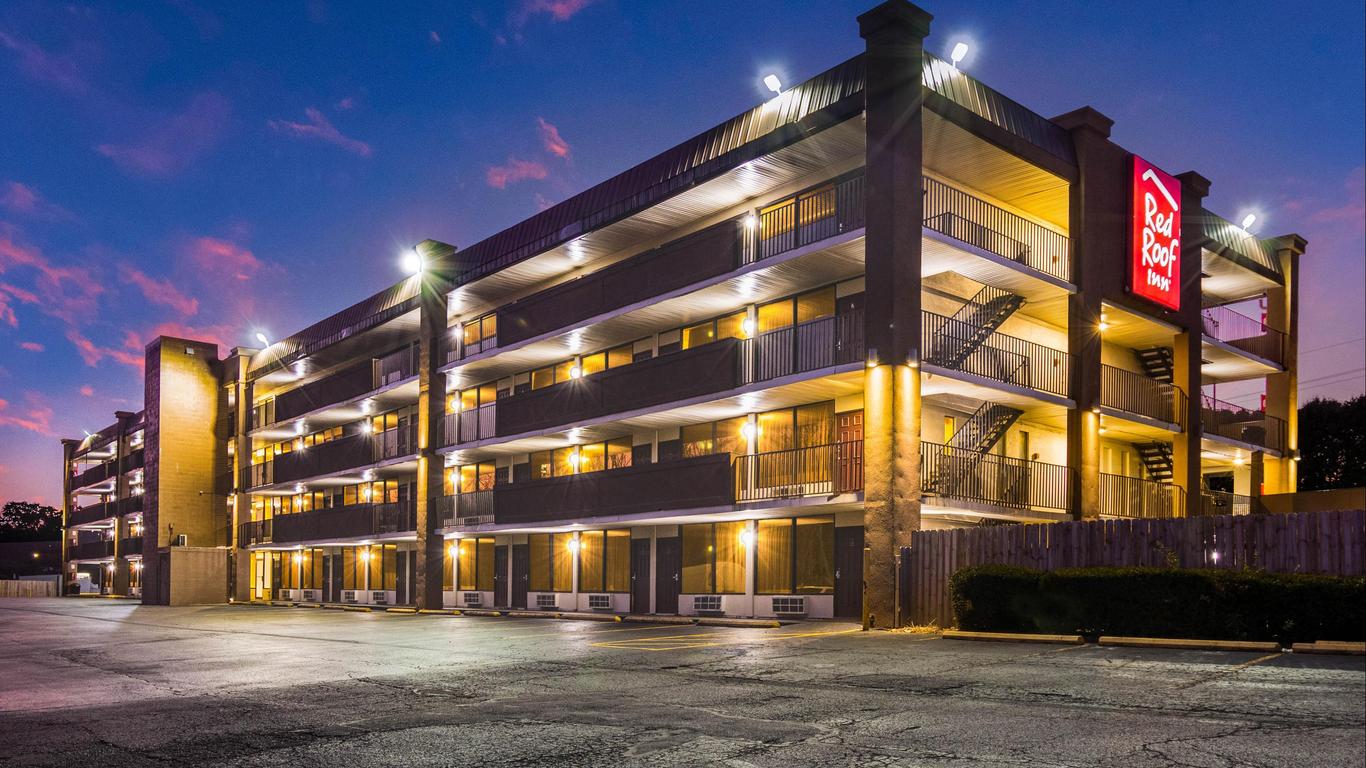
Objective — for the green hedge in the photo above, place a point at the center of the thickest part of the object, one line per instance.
(1161, 602)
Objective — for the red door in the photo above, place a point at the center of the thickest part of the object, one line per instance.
(849, 452)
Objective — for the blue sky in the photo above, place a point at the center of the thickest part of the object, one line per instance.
(211, 169)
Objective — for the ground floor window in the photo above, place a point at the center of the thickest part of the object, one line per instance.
(795, 556)
(552, 562)
(605, 561)
(311, 568)
(135, 574)
(713, 558)
(383, 565)
(473, 564)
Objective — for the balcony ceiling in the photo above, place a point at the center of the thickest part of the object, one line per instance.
(1226, 281)
(753, 181)
(1222, 362)
(374, 342)
(1132, 330)
(769, 279)
(971, 162)
(338, 414)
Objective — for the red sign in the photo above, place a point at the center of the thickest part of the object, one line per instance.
(1155, 239)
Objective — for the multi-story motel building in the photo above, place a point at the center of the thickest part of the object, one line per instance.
(888, 299)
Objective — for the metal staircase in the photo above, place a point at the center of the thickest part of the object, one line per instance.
(1157, 459)
(956, 470)
(972, 325)
(1157, 362)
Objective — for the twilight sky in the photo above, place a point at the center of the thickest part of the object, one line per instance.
(206, 170)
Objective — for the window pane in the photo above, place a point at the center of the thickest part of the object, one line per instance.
(390, 566)
(540, 465)
(562, 562)
(471, 331)
(538, 572)
(774, 315)
(448, 569)
(731, 326)
(490, 323)
(730, 558)
(565, 461)
(484, 555)
(730, 437)
(815, 424)
(376, 564)
(542, 377)
(590, 561)
(593, 458)
(773, 557)
(469, 399)
(815, 552)
(562, 371)
(775, 430)
(619, 561)
(816, 304)
(488, 473)
(619, 453)
(697, 439)
(697, 556)
(591, 364)
(487, 393)
(469, 479)
(619, 356)
(697, 335)
(464, 558)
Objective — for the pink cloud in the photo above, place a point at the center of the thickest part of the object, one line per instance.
(174, 143)
(55, 69)
(319, 127)
(559, 10)
(161, 292)
(67, 293)
(31, 346)
(130, 354)
(515, 170)
(1353, 210)
(221, 334)
(87, 390)
(35, 416)
(550, 137)
(222, 257)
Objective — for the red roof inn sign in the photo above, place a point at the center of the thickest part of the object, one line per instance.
(1155, 239)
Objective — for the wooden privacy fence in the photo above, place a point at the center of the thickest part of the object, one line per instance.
(27, 588)
(1307, 542)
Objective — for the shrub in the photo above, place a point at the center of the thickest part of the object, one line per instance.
(1161, 602)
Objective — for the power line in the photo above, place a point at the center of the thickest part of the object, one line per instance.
(1330, 346)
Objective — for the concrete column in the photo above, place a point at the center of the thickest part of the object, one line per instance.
(1094, 232)
(1282, 389)
(894, 33)
(1186, 346)
(436, 279)
(68, 448)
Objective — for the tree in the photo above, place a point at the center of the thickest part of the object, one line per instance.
(1333, 444)
(27, 521)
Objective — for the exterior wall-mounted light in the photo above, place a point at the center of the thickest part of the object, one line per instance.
(872, 357)
(772, 83)
(261, 337)
(1248, 221)
(959, 52)
(412, 262)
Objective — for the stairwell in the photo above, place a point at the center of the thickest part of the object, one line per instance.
(1157, 362)
(1157, 460)
(971, 326)
(955, 472)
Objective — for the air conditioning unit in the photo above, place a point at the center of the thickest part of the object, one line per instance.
(600, 602)
(349, 596)
(706, 603)
(287, 594)
(789, 606)
(546, 602)
(473, 599)
(311, 595)
(181, 540)
(379, 598)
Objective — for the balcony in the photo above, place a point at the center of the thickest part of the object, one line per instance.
(334, 456)
(464, 509)
(92, 513)
(704, 481)
(1224, 503)
(961, 346)
(92, 475)
(467, 426)
(696, 257)
(1137, 394)
(1137, 498)
(669, 378)
(986, 478)
(808, 346)
(967, 219)
(1244, 333)
(348, 383)
(355, 521)
(90, 550)
(805, 218)
(1243, 425)
(130, 545)
(134, 460)
(819, 470)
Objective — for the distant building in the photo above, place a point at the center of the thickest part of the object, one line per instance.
(890, 298)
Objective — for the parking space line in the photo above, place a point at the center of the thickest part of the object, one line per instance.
(702, 640)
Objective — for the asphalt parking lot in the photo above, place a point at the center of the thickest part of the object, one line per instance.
(106, 683)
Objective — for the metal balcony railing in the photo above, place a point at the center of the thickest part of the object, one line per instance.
(1138, 394)
(90, 550)
(1135, 497)
(1240, 331)
(818, 470)
(393, 443)
(473, 507)
(805, 218)
(1224, 503)
(993, 479)
(808, 346)
(1245, 425)
(254, 532)
(467, 426)
(994, 356)
(963, 217)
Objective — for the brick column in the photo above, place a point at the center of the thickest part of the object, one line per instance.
(894, 33)
(1282, 389)
(436, 282)
(1186, 346)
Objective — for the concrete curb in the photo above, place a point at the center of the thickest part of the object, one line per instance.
(1331, 647)
(529, 614)
(308, 605)
(401, 610)
(438, 612)
(590, 617)
(642, 618)
(282, 603)
(1013, 637)
(750, 623)
(1191, 645)
(332, 607)
(478, 612)
(356, 608)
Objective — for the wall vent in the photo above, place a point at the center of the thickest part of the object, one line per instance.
(706, 603)
(349, 596)
(473, 599)
(379, 598)
(546, 602)
(789, 606)
(600, 602)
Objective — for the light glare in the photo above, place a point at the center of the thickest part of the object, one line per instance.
(960, 51)
(773, 83)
